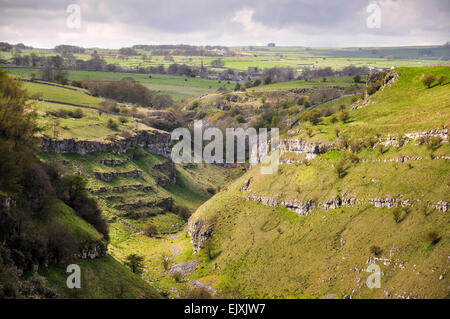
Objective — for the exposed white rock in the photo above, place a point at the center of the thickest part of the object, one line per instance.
(301, 146)
(200, 231)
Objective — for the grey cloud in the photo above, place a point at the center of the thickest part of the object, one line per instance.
(181, 20)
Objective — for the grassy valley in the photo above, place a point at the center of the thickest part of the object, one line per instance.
(364, 206)
(363, 179)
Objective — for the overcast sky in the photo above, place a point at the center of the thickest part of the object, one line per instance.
(115, 24)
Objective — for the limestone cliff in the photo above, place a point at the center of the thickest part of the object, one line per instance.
(200, 231)
(156, 141)
(299, 146)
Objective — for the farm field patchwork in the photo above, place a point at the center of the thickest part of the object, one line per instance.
(178, 87)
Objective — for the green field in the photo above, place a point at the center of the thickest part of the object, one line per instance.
(295, 57)
(93, 125)
(422, 53)
(180, 88)
(191, 190)
(49, 92)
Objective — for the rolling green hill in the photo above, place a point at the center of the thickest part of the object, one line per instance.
(102, 277)
(92, 125)
(58, 93)
(48, 220)
(312, 229)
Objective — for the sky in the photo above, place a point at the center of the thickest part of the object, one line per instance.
(311, 23)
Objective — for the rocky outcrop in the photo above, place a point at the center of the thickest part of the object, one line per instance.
(165, 203)
(401, 159)
(109, 176)
(404, 159)
(200, 231)
(402, 140)
(169, 175)
(184, 268)
(95, 251)
(301, 146)
(376, 81)
(314, 149)
(442, 133)
(123, 189)
(113, 162)
(442, 206)
(389, 202)
(338, 202)
(304, 208)
(155, 141)
(301, 208)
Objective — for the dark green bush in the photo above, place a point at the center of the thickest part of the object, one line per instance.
(375, 250)
(135, 262)
(432, 237)
(113, 125)
(313, 116)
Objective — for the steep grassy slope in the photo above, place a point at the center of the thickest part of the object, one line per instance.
(190, 189)
(274, 105)
(131, 202)
(62, 213)
(406, 106)
(265, 57)
(132, 189)
(357, 205)
(47, 219)
(102, 277)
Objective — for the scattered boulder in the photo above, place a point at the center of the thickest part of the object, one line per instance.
(184, 268)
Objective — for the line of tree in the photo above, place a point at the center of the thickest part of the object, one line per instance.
(69, 49)
(127, 90)
(351, 70)
(7, 47)
(184, 50)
